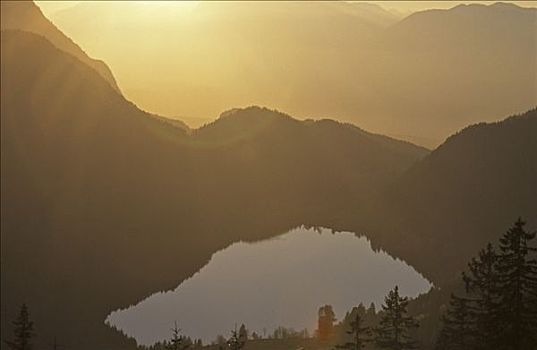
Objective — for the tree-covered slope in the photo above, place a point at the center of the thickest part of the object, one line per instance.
(461, 196)
(103, 204)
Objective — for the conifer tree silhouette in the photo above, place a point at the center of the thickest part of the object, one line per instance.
(236, 342)
(393, 331)
(500, 311)
(178, 341)
(482, 285)
(517, 307)
(23, 331)
(458, 330)
(359, 334)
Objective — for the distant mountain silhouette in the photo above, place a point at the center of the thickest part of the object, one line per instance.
(472, 61)
(485, 27)
(26, 16)
(104, 204)
(137, 204)
(425, 76)
(255, 122)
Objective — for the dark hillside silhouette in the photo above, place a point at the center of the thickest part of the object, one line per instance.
(104, 204)
(89, 180)
(451, 202)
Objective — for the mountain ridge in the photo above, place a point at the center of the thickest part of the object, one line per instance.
(138, 204)
(471, 63)
(120, 194)
(477, 182)
(27, 16)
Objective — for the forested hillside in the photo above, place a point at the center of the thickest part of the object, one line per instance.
(459, 197)
(120, 194)
(104, 204)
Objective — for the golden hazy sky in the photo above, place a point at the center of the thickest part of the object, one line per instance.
(403, 7)
(194, 60)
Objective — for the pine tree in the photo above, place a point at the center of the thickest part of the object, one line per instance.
(482, 286)
(235, 342)
(358, 333)
(370, 316)
(458, 331)
(178, 341)
(442, 340)
(393, 331)
(517, 267)
(243, 333)
(23, 331)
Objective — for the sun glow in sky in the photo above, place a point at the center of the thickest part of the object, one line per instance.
(193, 60)
(403, 7)
(49, 8)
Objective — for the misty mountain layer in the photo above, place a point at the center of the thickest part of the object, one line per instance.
(420, 78)
(104, 204)
(89, 180)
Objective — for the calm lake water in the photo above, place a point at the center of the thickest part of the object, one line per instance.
(278, 282)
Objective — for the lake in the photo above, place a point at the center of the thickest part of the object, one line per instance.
(277, 282)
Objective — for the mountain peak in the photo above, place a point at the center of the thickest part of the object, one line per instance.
(240, 123)
(252, 112)
(27, 16)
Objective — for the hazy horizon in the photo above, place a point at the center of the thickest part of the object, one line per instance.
(252, 175)
(49, 7)
(194, 60)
